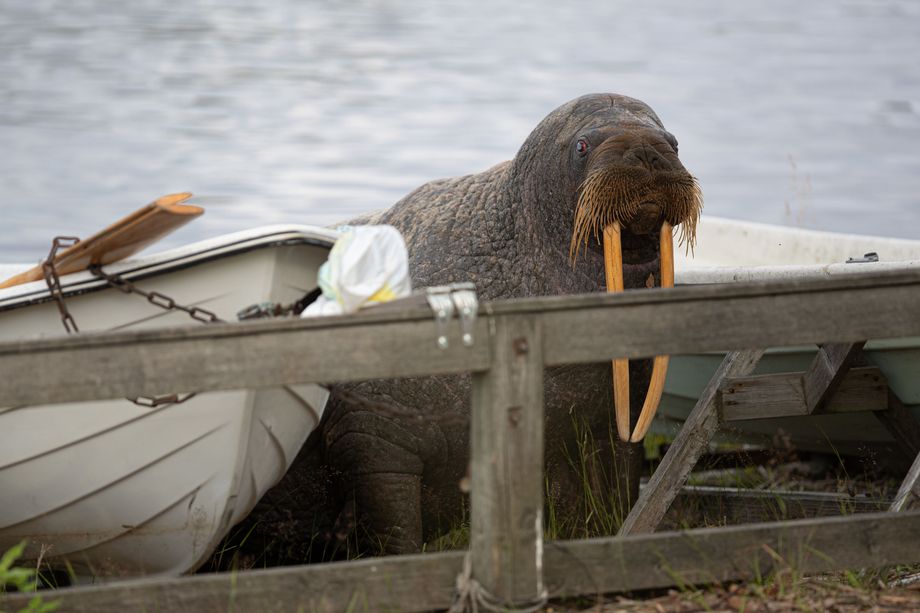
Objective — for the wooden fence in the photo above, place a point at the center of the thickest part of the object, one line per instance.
(514, 341)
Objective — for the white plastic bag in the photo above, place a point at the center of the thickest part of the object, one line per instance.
(367, 265)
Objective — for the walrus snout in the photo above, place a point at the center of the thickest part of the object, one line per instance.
(638, 148)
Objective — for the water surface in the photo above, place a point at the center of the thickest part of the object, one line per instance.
(789, 112)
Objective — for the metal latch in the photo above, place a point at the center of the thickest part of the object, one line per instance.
(444, 300)
(440, 302)
(869, 257)
(464, 297)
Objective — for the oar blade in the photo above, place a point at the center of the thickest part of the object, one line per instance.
(124, 238)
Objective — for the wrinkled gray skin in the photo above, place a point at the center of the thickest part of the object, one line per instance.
(390, 455)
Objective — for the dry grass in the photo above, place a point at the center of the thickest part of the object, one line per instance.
(895, 590)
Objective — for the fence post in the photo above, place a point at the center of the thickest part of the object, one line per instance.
(506, 535)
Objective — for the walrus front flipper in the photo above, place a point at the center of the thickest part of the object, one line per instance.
(389, 511)
(380, 468)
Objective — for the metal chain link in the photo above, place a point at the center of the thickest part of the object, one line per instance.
(54, 283)
(167, 304)
(276, 309)
(159, 300)
(155, 298)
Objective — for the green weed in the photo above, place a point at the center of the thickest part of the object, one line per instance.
(22, 579)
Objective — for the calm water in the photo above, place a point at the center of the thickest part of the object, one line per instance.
(801, 113)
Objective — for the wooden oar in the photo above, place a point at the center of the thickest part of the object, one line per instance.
(613, 271)
(123, 238)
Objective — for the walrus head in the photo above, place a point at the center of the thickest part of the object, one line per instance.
(613, 161)
(633, 177)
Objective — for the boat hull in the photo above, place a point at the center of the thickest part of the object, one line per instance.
(847, 434)
(735, 251)
(113, 489)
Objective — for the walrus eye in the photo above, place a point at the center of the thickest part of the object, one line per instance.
(582, 146)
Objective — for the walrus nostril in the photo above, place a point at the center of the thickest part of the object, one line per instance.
(647, 157)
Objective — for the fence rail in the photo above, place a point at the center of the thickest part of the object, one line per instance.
(514, 341)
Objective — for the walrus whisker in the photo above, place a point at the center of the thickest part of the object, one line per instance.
(616, 195)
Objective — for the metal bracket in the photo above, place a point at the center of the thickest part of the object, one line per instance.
(464, 297)
(444, 300)
(869, 257)
(440, 302)
(257, 311)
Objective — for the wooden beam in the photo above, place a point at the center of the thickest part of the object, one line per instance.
(787, 395)
(691, 442)
(506, 444)
(902, 425)
(573, 568)
(826, 372)
(717, 317)
(355, 347)
(908, 496)
(231, 356)
(706, 555)
(398, 583)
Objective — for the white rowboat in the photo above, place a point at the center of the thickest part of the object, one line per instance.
(113, 489)
(731, 251)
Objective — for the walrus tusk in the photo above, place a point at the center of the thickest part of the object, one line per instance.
(660, 365)
(613, 271)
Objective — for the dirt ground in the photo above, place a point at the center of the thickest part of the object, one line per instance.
(893, 589)
(844, 593)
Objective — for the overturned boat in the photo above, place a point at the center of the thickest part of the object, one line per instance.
(121, 488)
(730, 251)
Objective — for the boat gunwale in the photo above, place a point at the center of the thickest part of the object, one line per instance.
(173, 260)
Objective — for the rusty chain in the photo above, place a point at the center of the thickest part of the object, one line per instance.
(155, 298)
(53, 281)
(167, 304)
(275, 309)
(256, 311)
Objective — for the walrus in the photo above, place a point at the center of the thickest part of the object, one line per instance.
(386, 461)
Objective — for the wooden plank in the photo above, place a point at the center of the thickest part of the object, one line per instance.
(506, 445)
(867, 540)
(720, 319)
(576, 329)
(398, 583)
(902, 425)
(685, 294)
(827, 371)
(908, 496)
(786, 395)
(229, 356)
(692, 440)
(698, 505)
(586, 567)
